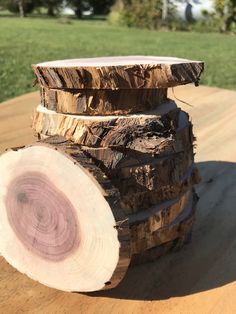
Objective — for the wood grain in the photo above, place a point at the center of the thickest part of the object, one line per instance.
(128, 72)
(56, 206)
(149, 179)
(181, 226)
(199, 279)
(102, 102)
(129, 131)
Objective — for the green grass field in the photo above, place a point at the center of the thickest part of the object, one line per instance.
(33, 40)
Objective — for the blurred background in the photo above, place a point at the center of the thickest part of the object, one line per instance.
(33, 31)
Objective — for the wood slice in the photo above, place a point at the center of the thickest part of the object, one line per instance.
(151, 174)
(130, 72)
(133, 200)
(116, 157)
(180, 226)
(155, 181)
(61, 223)
(170, 143)
(155, 253)
(181, 140)
(95, 131)
(147, 133)
(158, 216)
(146, 183)
(102, 102)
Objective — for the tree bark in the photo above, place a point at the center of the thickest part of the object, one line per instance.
(50, 10)
(146, 133)
(143, 181)
(171, 241)
(164, 10)
(146, 222)
(21, 8)
(146, 183)
(102, 102)
(134, 72)
(161, 250)
(134, 199)
(182, 225)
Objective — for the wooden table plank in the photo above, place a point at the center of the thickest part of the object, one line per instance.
(199, 279)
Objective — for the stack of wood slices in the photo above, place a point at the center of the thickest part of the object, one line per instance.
(110, 182)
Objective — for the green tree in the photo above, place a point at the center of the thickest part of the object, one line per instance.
(230, 15)
(101, 6)
(51, 5)
(147, 13)
(78, 6)
(21, 7)
(17, 6)
(225, 13)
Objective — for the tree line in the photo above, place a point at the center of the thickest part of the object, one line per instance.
(154, 14)
(150, 14)
(24, 7)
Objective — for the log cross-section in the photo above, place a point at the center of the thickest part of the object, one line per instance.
(61, 222)
(130, 72)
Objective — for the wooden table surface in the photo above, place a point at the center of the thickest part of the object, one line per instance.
(199, 279)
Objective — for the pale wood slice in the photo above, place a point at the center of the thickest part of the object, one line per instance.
(180, 226)
(104, 131)
(61, 223)
(147, 133)
(129, 72)
(102, 102)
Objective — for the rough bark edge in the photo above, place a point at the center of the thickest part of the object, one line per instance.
(146, 134)
(156, 253)
(165, 234)
(150, 198)
(179, 231)
(134, 196)
(151, 175)
(159, 216)
(102, 102)
(116, 157)
(119, 77)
